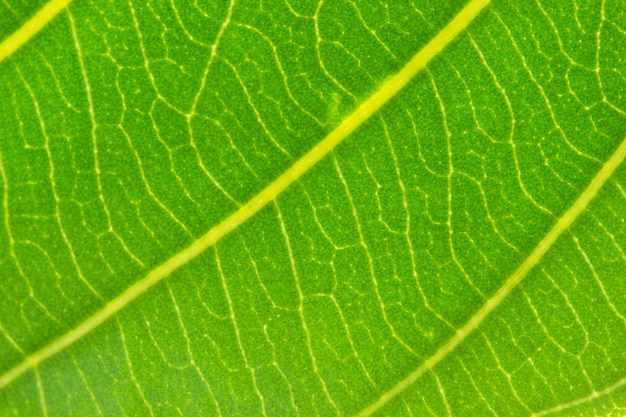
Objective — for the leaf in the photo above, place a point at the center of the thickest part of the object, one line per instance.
(313, 208)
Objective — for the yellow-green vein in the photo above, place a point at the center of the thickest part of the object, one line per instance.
(387, 91)
(544, 245)
(32, 27)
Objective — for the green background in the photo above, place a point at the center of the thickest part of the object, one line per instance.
(129, 129)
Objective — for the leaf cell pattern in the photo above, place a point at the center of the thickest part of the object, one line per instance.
(131, 129)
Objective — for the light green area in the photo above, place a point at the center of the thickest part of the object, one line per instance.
(129, 129)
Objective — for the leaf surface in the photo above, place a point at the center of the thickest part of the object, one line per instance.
(458, 250)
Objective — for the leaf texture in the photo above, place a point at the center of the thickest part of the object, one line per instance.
(460, 252)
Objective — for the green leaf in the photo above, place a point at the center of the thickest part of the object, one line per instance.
(313, 208)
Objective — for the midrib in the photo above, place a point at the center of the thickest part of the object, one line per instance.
(385, 93)
(32, 27)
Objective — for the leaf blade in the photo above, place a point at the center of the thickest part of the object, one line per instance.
(441, 190)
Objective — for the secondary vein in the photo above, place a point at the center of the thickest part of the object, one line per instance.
(385, 93)
(32, 27)
(540, 250)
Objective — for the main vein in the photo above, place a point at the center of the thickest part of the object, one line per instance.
(32, 27)
(387, 91)
(544, 245)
